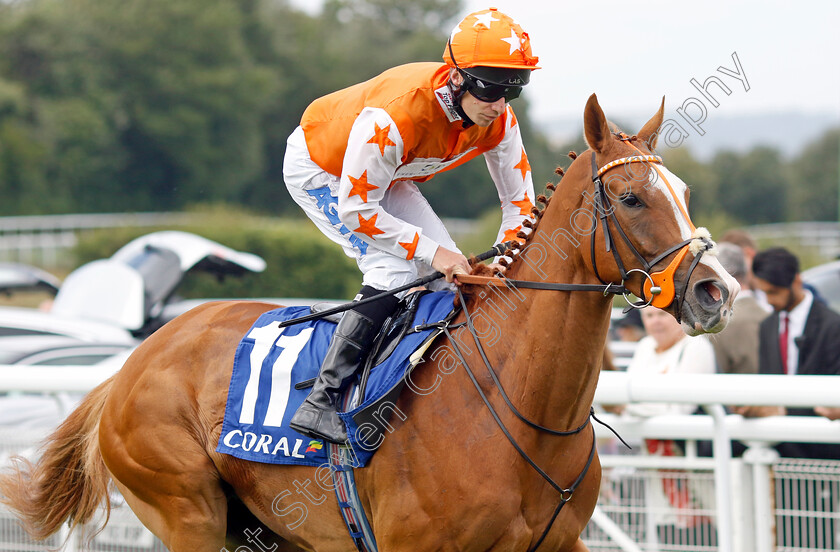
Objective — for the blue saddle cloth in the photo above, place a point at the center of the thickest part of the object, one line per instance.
(269, 362)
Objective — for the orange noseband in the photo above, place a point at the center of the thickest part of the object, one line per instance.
(660, 287)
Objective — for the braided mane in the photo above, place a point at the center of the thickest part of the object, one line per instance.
(542, 202)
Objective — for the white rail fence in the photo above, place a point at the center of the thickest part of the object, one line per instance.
(42, 239)
(824, 236)
(755, 503)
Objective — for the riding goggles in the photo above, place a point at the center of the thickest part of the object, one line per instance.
(487, 92)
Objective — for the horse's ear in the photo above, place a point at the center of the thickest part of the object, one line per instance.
(596, 131)
(650, 132)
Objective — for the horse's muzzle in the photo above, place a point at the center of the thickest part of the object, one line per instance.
(708, 306)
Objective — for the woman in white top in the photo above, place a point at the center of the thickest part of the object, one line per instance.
(676, 502)
(666, 349)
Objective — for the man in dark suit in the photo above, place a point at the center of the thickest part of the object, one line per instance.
(800, 337)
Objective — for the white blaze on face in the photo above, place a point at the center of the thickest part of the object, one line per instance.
(660, 179)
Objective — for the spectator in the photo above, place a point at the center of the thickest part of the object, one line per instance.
(742, 239)
(830, 412)
(736, 347)
(630, 327)
(745, 241)
(668, 350)
(800, 337)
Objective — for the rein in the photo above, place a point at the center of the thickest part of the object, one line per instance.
(547, 286)
(565, 493)
(659, 286)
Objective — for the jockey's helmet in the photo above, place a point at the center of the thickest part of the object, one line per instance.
(492, 53)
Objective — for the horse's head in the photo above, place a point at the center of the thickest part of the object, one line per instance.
(643, 236)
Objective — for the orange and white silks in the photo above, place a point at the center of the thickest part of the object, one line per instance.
(401, 126)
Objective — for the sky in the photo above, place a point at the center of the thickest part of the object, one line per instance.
(631, 54)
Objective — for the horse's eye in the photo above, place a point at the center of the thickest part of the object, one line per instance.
(630, 200)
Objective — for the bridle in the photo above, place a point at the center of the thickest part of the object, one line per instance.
(659, 287)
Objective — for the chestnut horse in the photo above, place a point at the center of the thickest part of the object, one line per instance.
(447, 477)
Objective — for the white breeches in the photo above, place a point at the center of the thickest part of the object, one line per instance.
(316, 191)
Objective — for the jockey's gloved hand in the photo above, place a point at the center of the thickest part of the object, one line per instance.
(449, 263)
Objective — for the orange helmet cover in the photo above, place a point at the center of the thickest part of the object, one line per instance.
(489, 38)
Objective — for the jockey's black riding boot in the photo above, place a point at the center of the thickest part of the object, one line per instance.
(317, 416)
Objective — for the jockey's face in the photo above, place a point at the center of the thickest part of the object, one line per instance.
(481, 113)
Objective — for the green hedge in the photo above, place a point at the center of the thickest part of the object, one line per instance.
(301, 262)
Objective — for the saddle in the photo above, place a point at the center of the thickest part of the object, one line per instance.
(397, 326)
(272, 369)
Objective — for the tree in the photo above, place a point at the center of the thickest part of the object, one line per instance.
(22, 183)
(752, 187)
(150, 104)
(699, 178)
(156, 104)
(190, 94)
(815, 178)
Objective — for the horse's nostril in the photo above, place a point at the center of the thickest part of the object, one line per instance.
(709, 294)
(712, 290)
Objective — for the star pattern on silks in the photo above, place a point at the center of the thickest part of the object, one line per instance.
(524, 205)
(514, 41)
(368, 227)
(380, 138)
(523, 164)
(510, 235)
(411, 247)
(485, 19)
(361, 186)
(511, 117)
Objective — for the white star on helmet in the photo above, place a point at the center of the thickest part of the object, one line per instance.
(514, 41)
(485, 19)
(454, 32)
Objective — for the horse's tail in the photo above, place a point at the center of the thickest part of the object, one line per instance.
(69, 480)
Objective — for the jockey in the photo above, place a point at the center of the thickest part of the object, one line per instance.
(354, 161)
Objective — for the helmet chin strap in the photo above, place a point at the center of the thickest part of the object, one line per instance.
(458, 93)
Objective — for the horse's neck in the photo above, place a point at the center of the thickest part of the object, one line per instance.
(556, 337)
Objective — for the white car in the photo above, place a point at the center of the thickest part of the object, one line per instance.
(825, 278)
(118, 300)
(15, 277)
(100, 313)
(131, 289)
(25, 331)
